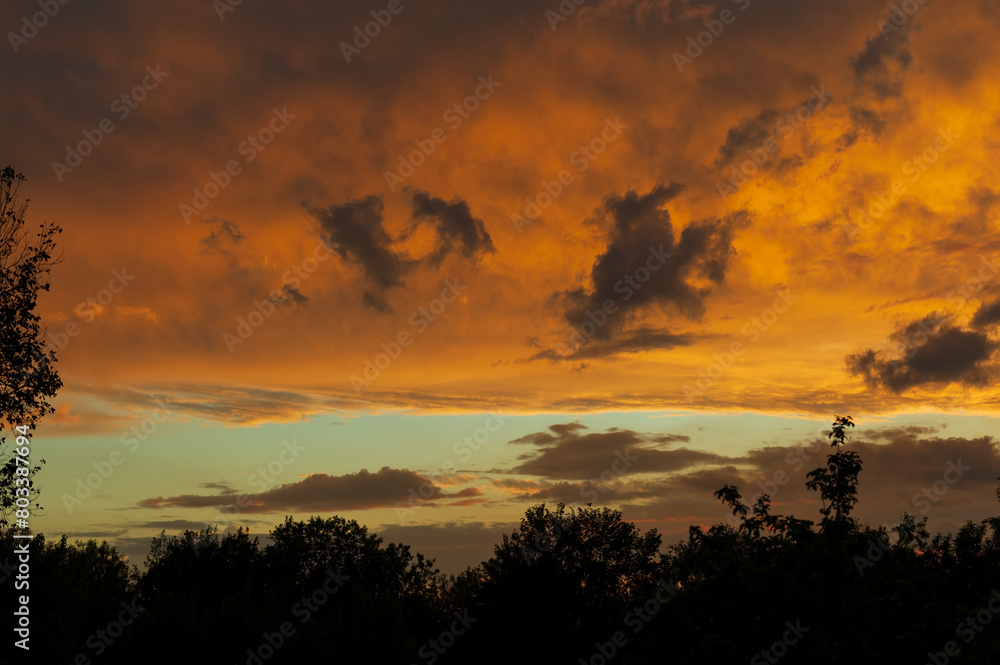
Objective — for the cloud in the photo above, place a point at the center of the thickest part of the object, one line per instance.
(632, 341)
(883, 60)
(319, 492)
(357, 227)
(987, 314)
(898, 432)
(291, 294)
(605, 493)
(879, 70)
(454, 224)
(864, 121)
(102, 534)
(172, 525)
(983, 200)
(750, 134)
(566, 453)
(930, 350)
(453, 545)
(646, 265)
(221, 239)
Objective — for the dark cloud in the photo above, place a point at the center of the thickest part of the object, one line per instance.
(703, 483)
(879, 69)
(894, 433)
(173, 525)
(586, 492)
(759, 140)
(864, 121)
(223, 238)
(555, 434)
(320, 492)
(912, 462)
(222, 486)
(750, 134)
(453, 545)
(646, 265)
(356, 227)
(567, 453)
(634, 341)
(880, 65)
(102, 534)
(980, 220)
(291, 294)
(931, 350)
(987, 314)
(454, 224)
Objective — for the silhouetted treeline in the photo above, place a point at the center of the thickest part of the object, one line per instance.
(569, 585)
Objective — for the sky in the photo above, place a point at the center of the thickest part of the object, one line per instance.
(425, 264)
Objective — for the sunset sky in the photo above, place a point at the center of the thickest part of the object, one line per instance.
(487, 252)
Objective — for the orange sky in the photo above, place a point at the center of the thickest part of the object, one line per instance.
(558, 220)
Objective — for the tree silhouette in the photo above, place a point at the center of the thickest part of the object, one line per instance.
(27, 373)
(838, 482)
(571, 571)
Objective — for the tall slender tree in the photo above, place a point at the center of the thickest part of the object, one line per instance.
(838, 481)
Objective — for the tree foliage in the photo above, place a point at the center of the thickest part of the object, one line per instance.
(27, 369)
(838, 482)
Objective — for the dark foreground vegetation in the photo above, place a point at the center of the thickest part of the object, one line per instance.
(569, 586)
